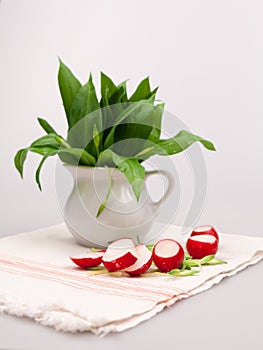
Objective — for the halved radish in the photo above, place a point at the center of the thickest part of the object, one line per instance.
(201, 245)
(205, 230)
(143, 262)
(168, 254)
(120, 255)
(88, 260)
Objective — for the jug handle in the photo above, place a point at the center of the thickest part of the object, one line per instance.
(170, 186)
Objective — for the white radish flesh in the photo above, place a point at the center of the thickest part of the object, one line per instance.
(143, 262)
(120, 255)
(168, 254)
(205, 230)
(202, 245)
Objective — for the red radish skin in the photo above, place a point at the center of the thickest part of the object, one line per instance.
(168, 254)
(88, 260)
(201, 246)
(205, 230)
(120, 255)
(143, 262)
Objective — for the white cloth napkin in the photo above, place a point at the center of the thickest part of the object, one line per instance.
(39, 281)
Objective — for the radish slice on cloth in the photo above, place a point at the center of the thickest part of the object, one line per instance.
(201, 246)
(120, 255)
(88, 260)
(205, 230)
(168, 254)
(143, 262)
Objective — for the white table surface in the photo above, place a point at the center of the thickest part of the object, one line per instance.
(228, 316)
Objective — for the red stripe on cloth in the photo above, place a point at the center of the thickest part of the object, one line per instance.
(101, 284)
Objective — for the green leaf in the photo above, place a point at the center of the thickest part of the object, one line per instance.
(50, 140)
(105, 159)
(150, 247)
(108, 88)
(142, 92)
(157, 123)
(118, 96)
(69, 87)
(84, 114)
(104, 203)
(134, 107)
(46, 126)
(154, 92)
(19, 160)
(76, 156)
(134, 130)
(206, 259)
(41, 165)
(184, 273)
(192, 263)
(96, 137)
(133, 171)
(123, 86)
(210, 260)
(84, 102)
(177, 144)
(130, 167)
(43, 150)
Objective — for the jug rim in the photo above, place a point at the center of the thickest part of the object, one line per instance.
(79, 171)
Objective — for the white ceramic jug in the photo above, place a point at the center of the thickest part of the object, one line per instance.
(123, 216)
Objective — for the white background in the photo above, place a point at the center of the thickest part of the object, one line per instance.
(207, 58)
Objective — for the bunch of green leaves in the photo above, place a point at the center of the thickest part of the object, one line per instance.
(114, 130)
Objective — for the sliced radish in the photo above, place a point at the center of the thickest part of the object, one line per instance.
(168, 254)
(205, 230)
(88, 260)
(143, 262)
(201, 245)
(120, 255)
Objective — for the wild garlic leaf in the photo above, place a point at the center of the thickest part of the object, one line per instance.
(85, 102)
(46, 126)
(43, 150)
(50, 154)
(123, 85)
(181, 141)
(107, 87)
(134, 107)
(69, 87)
(133, 171)
(154, 92)
(104, 203)
(142, 92)
(19, 160)
(50, 140)
(105, 159)
(134, 130)
(177, 144)
(84, 114)
(157, 123)
(76, 156)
